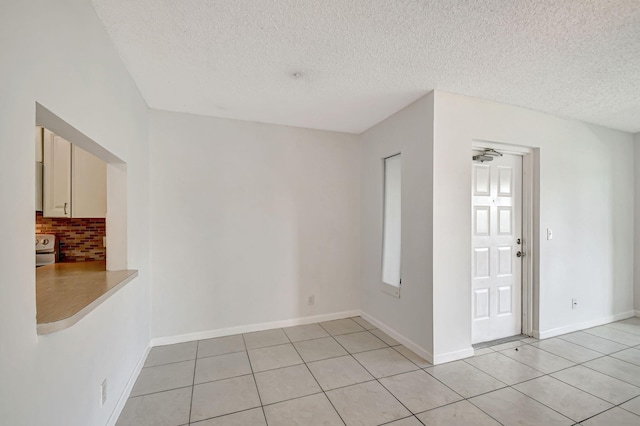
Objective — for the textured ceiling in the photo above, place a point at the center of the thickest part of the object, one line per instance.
(347, 64)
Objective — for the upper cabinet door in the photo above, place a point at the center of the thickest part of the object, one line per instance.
(38, 199)
(56, 176)
(89, 183)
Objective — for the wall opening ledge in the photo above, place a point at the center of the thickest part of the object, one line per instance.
(67, 292)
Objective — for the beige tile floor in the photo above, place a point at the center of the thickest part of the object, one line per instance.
(347, 372)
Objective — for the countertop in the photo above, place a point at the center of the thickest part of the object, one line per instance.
(66, 292)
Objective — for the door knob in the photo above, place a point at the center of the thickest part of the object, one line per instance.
(520, 254)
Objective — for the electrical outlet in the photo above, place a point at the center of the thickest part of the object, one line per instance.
(311, 300)
(103, 391)
(549, 234)
(574, 303)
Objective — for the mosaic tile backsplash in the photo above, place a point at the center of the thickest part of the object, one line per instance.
(80, 239)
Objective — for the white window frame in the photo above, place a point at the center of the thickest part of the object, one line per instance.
(391, 280)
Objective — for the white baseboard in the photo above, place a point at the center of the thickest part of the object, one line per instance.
(124, 396)
(419, 350)
(637, 313)
(209, 334)
(453, 356)
(545, 334)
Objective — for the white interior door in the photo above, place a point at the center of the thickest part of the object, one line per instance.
(496, 215)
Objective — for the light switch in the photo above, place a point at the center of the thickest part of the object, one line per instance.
(549, 234)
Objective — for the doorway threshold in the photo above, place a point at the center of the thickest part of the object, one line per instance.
(515, 338)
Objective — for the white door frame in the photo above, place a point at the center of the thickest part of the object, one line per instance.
(529, 242)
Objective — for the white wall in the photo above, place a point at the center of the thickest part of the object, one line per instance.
(636, 293)
(586, 197)
(57, 54)
(409, 131)
(247, 221)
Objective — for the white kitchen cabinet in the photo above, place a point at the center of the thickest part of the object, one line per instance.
(56, 176)
(75, 181)
(88, 184)
(38, 200)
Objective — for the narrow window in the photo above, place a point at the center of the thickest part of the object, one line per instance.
(391, 221)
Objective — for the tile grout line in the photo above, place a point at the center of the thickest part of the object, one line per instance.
(193, 383)
(612, 329)
(225, 415)
(400, 419)
(522, 393)
(489, 415)
(316, 380)
(255, 382)
(618, 359)
(542, 350)
(511, 386)
(600, 355)
(378, 380)
(305, 363)
(545, 405)
(589, 393)
(367, 381)
(467, 399)
(609, 375)
(592, 335)
(575, 387)
(271, 346)
(602, 412)
(552, 372)
(352, 355)
(293, 365)
(447, 386)
(496, 352)
(160, 391)
(337, 356)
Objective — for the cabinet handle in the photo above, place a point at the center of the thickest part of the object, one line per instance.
(65, 208)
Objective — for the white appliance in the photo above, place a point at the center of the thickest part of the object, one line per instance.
(45, 249)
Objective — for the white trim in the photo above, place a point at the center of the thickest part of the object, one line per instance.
(545, 334)
(390, 289)
(124, 396)
(209, 334)
(529, 244)
(637, 313)
(417, 349)
(453, 356)
(505, 148)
